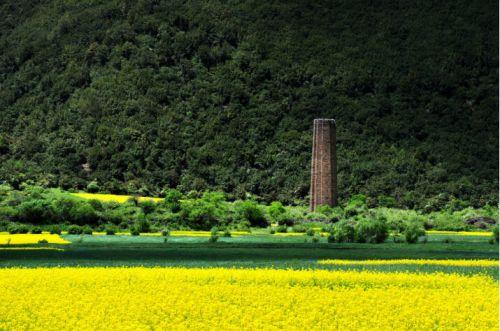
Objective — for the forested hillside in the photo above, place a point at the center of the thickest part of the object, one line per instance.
(137, 96)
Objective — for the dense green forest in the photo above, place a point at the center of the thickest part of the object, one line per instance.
(140, 96)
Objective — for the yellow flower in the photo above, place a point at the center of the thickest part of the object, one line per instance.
(454, 263)
(112, 197)
(243, 299)
(17, 239)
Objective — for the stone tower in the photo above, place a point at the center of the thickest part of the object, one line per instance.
(324, 164)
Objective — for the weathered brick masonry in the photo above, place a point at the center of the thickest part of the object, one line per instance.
(324, 164)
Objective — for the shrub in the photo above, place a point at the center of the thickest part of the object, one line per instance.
(86, 229)
(310, 232)
(413, 231)
(55, 229)
(204, 213)
(495, 232)
(272, 230)
(110, 230)
(286, 219)
(75, 229)
(36, 230)
(356, 204)
(275, 210)
(142, 225)
(213, 235)
(251, 211)
(227, 233)
(147, 206)
(342, 232)
(281, 229)
(93, 187)
(172, 200)
(371, 231)
(165, 232)
(17, 228)
(299, 228)
(43, 241)
(315, 239)
(134, 231)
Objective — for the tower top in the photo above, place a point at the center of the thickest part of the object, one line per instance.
(319, 120)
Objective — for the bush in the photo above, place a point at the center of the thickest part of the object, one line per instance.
(310, 232)
(342, 232)
(281, 229)
(213, 235)
(134, 231)
(356, 205)
(275, 210)
(272, 230)
(93, 187)
(204, 213)
(227, 233)
(172, 200)
(147, 206)
(251, 211)
(110, 230)
(142, 225)
(286, 219)
(87, 230)
(299, 228)
(17, 229)
(413, 231)
(75, 229)
(371, 231)
(315, 239)
(43, 241)
(36, 230)
(55, 229)
(495, 232)
(165, 232)
(448, 240)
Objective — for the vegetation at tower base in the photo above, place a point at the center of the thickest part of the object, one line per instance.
(135, 96)
(35, 209)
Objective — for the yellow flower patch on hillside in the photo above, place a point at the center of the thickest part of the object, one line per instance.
(112, 197)
(18, 239)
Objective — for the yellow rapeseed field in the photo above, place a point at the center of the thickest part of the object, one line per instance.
(17, 239)
(461, 233)
(243, 299)
(112, 197)
(452, 263)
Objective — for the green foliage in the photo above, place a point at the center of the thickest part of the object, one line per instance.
(36, 230)
(310, 232)
(495, 233)
(172, 200)
(275, 211)
(413, 232)
(18, 229)
(75, 229)
(282, 229)
(299, 228)
(214, 235)
(251, 211)
(134, 231)
(342, 232)
(371, 231)
(93, 187)
(110, 229)
(226, 233)
(146, 95)
(87, 230)
(204, 213)
(55, 229)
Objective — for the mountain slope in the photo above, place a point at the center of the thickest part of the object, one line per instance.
(140, 95)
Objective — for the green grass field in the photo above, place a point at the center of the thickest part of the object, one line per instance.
(256, 250)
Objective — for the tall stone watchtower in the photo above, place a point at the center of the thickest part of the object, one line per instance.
(324, 164)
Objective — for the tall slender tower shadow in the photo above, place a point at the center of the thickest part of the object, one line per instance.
(324, 164)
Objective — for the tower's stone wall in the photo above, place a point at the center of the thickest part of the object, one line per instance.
(324, 164)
